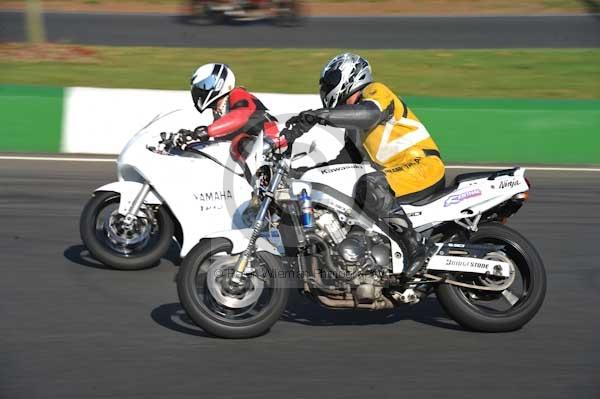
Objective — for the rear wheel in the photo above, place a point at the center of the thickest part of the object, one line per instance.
(498, 311)
(137, 247)
(206, 294)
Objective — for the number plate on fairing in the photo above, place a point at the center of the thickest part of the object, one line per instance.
(463, 264)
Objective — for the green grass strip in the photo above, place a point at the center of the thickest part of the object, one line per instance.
(546, 74)
(530, 131)
(31, 119)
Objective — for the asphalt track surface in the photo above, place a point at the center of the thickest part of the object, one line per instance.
(359, 33)
(71, 328)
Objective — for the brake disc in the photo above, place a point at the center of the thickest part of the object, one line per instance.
(223, 268)
(126, 240)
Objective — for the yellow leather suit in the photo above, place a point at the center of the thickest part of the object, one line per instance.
(401, 146)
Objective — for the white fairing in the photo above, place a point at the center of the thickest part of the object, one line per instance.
(129, 190)
(468, 200)
(240, 237)
(340, 177)
(204, 196)
(471, 198)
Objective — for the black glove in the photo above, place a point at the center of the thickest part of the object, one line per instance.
(167, 141)
(304, 121)
(201, 134)
(291, 134)
(186, 137)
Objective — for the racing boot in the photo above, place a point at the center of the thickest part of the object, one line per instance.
(416, 251)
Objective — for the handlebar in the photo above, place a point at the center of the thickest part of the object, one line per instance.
(291, 132)
(167, 141)
(181, 140)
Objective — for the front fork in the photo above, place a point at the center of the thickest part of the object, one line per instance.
(257, 227)
(135, 206)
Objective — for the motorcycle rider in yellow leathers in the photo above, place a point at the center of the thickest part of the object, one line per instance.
(381, 128)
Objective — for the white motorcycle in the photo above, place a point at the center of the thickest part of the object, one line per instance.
(164, 193)
(487, 276)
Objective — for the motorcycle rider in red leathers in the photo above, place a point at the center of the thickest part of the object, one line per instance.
(237, 113)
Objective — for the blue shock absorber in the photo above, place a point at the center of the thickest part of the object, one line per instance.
(307, 211)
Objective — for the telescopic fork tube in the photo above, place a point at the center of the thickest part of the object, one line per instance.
(136, 205)
(258, 223)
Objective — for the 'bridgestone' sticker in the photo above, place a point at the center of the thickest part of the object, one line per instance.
(469, 265)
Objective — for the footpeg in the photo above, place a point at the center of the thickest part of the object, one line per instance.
(409, 296)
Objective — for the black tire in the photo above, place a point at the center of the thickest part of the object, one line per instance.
(105, 254)
(527, 260)
(210, 322)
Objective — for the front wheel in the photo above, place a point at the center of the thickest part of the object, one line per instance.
(499, 311)
(136, 247)
(226, 310)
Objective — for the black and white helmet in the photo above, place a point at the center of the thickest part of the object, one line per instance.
(209, 83)
(343, 76)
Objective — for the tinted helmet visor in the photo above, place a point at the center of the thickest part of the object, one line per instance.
(199, 96)
(329, 81)
(201, 90)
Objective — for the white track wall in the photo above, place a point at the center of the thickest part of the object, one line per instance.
(101, 121)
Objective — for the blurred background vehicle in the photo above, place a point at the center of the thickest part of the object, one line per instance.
(280, 12)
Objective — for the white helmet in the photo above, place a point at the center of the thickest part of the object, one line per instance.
(343, 76)
(209, 83)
